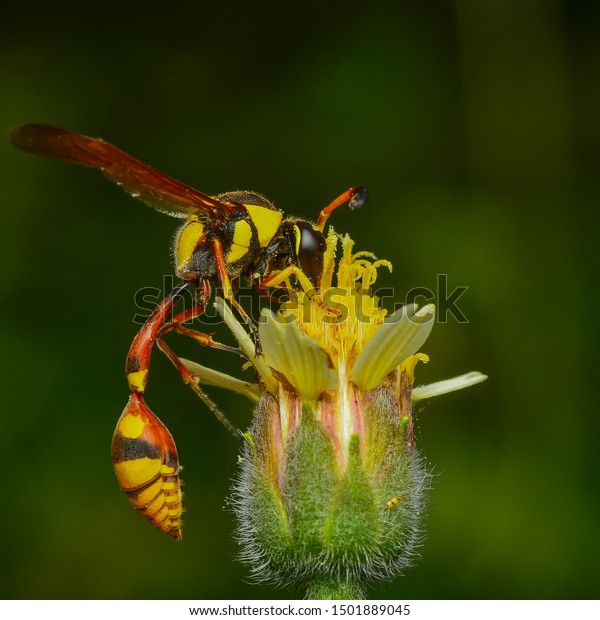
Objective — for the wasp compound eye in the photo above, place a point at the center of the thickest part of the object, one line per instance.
(360, 197)
(310, 248)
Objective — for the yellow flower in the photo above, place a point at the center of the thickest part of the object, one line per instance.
(331, 489)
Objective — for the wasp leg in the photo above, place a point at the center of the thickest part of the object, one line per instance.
(356, 197)
(143, 451)
(188, 377)
(228, 292)
(177, 324)
(263, 292)
(305, 283)
(291, 270)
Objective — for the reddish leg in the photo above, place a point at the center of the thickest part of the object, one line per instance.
(177, 324)
(192, 380)
(228, 292)
(138, 360)
(188, 377)
(264, 292)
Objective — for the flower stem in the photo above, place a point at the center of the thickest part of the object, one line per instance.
(328, 588)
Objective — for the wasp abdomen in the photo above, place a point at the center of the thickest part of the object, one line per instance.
(145, 461)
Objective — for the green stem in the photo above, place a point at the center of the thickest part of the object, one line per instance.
(328, 588)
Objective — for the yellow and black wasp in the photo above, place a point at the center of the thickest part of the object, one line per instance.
(224, 237)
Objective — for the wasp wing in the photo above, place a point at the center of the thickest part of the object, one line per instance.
(153, 188)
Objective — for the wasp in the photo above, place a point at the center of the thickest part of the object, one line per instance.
(224, 237)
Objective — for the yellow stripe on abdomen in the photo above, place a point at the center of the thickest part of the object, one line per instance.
(146, 465)
(137, 473)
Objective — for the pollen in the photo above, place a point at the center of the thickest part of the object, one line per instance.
(331, 344)
(340, 314)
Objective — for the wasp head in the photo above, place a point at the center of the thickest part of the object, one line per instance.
(297, 243)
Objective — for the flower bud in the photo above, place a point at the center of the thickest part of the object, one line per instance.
(316, 510)
(331, 490)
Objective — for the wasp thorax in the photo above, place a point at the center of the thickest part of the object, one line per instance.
(237, 240)
(244, 197)
(189, 261)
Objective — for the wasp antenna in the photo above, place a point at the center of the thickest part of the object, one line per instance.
(359, 199)
(356, 197)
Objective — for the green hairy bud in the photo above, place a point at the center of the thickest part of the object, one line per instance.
(331, 523)
(331, 491)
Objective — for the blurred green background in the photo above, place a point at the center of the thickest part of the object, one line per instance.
(475, 127)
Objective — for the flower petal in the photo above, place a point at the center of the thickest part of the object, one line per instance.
(449, 385)
(299, 358)
(402, 334)
(209, 376)
(408, 365)
(246, 344)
